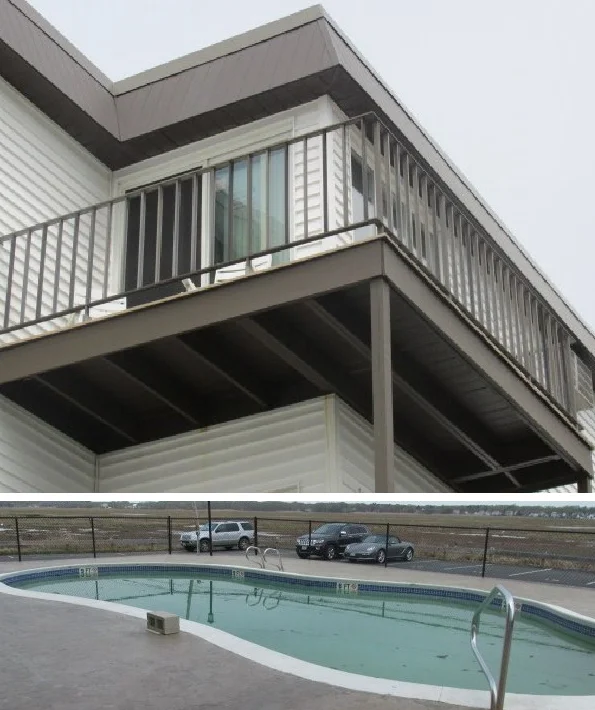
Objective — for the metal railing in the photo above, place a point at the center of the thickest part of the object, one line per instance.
(497, 690)
(346, 181)
(537, 554)
(259, 557)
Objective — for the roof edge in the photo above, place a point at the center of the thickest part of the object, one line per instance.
(58, 38)
(220, 49)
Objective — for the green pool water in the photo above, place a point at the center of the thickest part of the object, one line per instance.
(414, 640)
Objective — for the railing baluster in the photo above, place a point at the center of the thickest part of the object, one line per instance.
(483, 252)
(58, 265)
(142, 223)
(194, 229)
(325, 206)
(251, 249)
(398, 215)
(108, 251)
(90, 260)
(9, 281)
(176, 236)
(25, 289)
(407, 186)
(305, 185)
(40, 279)
(344, 158)
(158, 235)
(75, 243)
(444, 243)
(267, 198)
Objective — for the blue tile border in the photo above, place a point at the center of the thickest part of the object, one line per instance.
(541, 613)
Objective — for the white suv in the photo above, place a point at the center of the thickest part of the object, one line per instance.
(226, 534)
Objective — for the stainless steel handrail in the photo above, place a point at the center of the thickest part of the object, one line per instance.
(497, 691)
(258, 553)
(279, 564)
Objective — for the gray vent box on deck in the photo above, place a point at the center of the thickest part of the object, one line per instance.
(162, 622)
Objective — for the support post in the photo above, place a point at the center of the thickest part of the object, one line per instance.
(585, 485)
(485, 552)
(255, 531)
(16, 529)
(93, 536)
(382, 385)
(169, 534)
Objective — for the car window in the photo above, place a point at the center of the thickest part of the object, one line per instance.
(328, 529)
(218, 528)
(232, 527)
(248, 526)
(362, 529)
(393, 541)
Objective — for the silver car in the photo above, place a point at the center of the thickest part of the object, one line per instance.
(374, 548)
(225, 534)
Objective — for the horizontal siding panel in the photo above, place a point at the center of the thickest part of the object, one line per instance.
(355, 455)
(44, 174)
(282, 449)
(36, 458)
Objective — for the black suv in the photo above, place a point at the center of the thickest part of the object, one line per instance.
(329, 540)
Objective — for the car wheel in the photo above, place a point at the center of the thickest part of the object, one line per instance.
(243, 544)
(408, 554)
(380, 557)
(330, 552)
(303, 555)
(204, 545)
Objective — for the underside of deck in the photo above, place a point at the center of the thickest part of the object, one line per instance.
(290, 334)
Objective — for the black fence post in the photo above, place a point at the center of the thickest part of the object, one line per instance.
(309, 534)
(386, 546)
(210, 529)
(16, 527)
(485, 553)
(255, 531)
(93, 536)
(169, 534)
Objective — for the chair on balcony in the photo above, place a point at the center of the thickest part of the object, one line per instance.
(243, 268)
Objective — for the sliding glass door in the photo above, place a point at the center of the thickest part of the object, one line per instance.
(251, 206)
(163, 238)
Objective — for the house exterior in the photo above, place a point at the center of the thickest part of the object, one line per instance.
(250, 270)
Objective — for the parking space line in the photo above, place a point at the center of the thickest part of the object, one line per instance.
(461, 567)
(533, 571)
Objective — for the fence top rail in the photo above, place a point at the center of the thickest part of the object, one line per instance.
(139, 518)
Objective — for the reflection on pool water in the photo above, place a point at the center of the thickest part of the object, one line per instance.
(396, 637)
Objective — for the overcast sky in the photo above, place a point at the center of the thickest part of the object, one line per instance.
(504, 87)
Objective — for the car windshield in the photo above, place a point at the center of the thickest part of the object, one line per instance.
(328, 529)
(375, 539)
(205, 526)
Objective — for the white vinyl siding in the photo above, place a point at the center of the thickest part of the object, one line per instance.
(355, 460)
(36, 458)
(44, 174)
(285, 449)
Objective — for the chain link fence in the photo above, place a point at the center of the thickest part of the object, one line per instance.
(562, 555)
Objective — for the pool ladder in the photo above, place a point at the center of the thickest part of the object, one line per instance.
(497, 690)
(261, 560)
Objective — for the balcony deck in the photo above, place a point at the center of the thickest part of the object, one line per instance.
(290, 333)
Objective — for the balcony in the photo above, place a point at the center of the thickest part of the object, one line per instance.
(333, 263)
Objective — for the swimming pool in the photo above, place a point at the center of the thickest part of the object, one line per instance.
(404, 633)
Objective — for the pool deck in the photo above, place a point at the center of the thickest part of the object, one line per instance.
(55, 655)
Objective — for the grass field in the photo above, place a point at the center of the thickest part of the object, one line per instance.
(535, 542)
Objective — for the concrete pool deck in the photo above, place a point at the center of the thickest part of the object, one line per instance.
(55, 655)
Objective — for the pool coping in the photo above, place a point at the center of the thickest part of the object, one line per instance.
(549, 614)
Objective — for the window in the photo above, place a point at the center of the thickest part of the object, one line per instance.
(167, 229)
(424, 251)
(249, 223)
(393, 541)
(248, 526)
